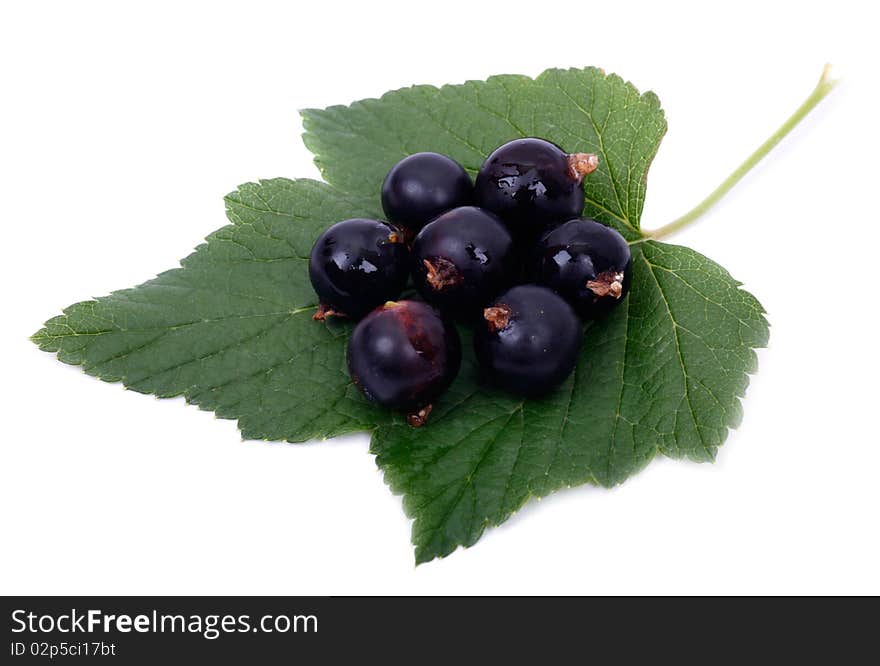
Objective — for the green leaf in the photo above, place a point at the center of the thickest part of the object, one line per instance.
(663, 373)
(231, 329)
(582, 110)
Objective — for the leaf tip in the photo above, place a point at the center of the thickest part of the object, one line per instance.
(39, 338)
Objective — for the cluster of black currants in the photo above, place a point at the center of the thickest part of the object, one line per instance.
(509, 255)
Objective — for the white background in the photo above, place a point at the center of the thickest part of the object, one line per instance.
(121, 128)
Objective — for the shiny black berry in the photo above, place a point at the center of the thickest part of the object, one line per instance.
(528, 341)
(403, 355)
(532, 184)
(356, 265)
(587, 263)
(421, 187)
(462, 260)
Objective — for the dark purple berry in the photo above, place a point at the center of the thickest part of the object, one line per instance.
(532, 184)
(529, 340)
(356, 265)
(403, 355)
(462, 260)
(421, 187)
(587, 263)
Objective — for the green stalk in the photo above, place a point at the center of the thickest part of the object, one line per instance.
(826, 85)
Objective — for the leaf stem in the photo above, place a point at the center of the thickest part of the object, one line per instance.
(826, 85)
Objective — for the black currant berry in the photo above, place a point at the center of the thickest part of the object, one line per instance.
(532, 184)
(403, 355)
(462, 260)
(587, 263)
(356, 265)
(528, 340)
(421, 187)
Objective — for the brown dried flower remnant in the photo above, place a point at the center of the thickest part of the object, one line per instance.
(324, 311)
(419, 419)
(609, 283)
(581, 165)
(497, 317)
(442, 273)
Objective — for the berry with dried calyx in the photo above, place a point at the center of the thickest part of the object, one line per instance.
(356, 265)
(403, 355)
(528, 340)
(587, 263)
(462, 260)
(532, 184)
